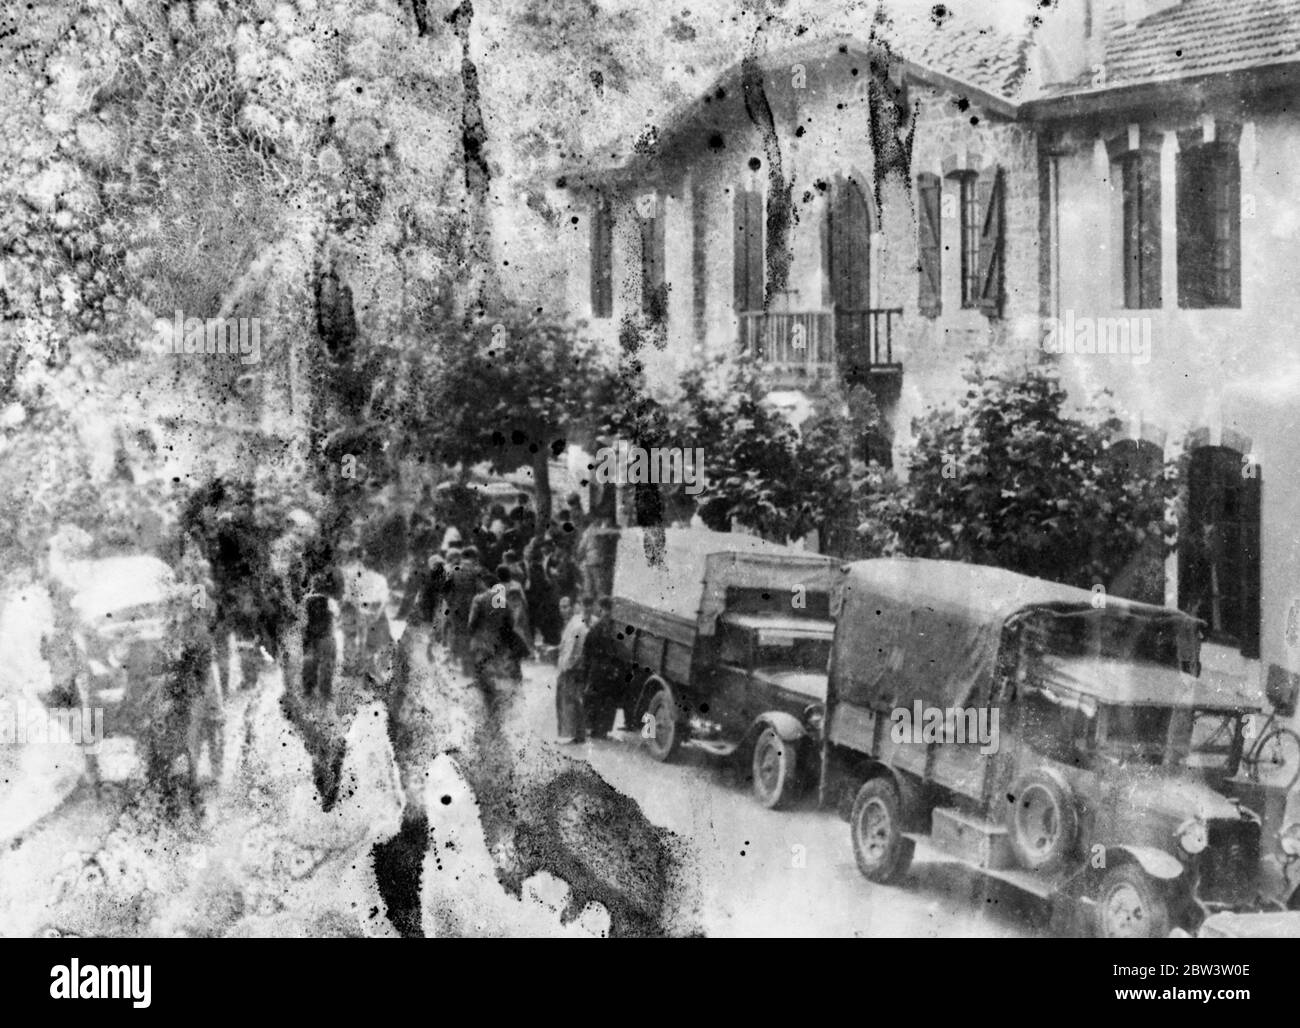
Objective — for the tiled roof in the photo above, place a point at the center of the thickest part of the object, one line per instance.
(1199, 37)
(963, 46)
(994, 59)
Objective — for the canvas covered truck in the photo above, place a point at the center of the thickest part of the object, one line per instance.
(723, 642)
(1104, 786)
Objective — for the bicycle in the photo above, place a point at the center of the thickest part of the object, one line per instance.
(1276, 751)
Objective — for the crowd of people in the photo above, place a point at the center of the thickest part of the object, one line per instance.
(501, 592)
(487, 595)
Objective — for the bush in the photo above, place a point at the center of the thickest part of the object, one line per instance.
(1008, 479)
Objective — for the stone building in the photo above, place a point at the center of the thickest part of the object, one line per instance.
(778, 214)
(1115, 183)
(1167, 132)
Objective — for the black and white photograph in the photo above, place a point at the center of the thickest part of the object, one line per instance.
(597, 469)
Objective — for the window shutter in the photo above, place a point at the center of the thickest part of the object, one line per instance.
(748, 250)
(929, 245)
(652, 255)
(602, 271)
(755, 219)
(1209, 227)
(1230, 182)
(1248, 630)
(991, 188)
(739, 253)
(1149, 219)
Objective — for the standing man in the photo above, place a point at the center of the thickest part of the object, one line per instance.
(64, 649)
(590, 558)
(496, 645)
(570, 718)
(319, 648)
(465, 579)
(606, 685)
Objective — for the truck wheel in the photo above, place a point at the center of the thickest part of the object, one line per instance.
(660, 730)
(883, 855)
(1130, 905)
(775, 767)
(1042, 820)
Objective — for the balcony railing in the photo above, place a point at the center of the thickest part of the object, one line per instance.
(799, 346)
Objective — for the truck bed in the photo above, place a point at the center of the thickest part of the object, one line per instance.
(655, 640)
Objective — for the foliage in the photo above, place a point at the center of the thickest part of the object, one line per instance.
(508, 390)
(1009, 479)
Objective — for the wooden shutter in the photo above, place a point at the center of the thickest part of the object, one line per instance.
(990, 191)
(1228, 180)
(748, 250)
(1209, 227)
(602, 261)
(1249, 630)
(850, 246)
(652, 256)
(929, 245)
(1149, 210)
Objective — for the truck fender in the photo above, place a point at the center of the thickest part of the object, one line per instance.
(1155, 862)
(787, 726)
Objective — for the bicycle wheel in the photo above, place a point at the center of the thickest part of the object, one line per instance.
(1276, 758)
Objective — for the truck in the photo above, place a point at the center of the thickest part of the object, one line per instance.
(1105, 786)
(723, 644)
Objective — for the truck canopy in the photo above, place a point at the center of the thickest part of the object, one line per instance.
(930, 630)
(687, 572)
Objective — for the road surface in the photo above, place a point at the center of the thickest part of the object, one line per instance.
(783, 872)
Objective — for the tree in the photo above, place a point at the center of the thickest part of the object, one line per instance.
(833, 479)
(1009, 479)
(750, 449)
(509, 390)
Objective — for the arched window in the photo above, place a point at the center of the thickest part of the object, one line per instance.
(1209, 223)
(1219, 548)
(1138, 171)
(1142, 577)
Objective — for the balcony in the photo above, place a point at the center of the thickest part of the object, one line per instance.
(801, 348)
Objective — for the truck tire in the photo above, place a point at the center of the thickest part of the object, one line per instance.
(1131, 905)
(1042, 819)
(775, 764)
(661, 732)
(876, 824)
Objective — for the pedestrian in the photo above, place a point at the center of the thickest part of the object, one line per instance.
(514, 561)
(182, 709)
(606, 685)
(376, 650)
(466, 578)
(570, 717)
(591, 558)
(488, 536)
(431, 604)
(562, 572)
(206, 721)
(65, 651)
(319, 648)
(543, 610)
(496, 643)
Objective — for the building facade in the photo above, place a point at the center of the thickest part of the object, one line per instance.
(1115, 186)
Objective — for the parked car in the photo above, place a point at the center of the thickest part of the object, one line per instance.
(725, 641)
(122, 604)
(1103, 789)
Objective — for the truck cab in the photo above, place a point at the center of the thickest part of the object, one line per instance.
(1102, 786)
(726, 641)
